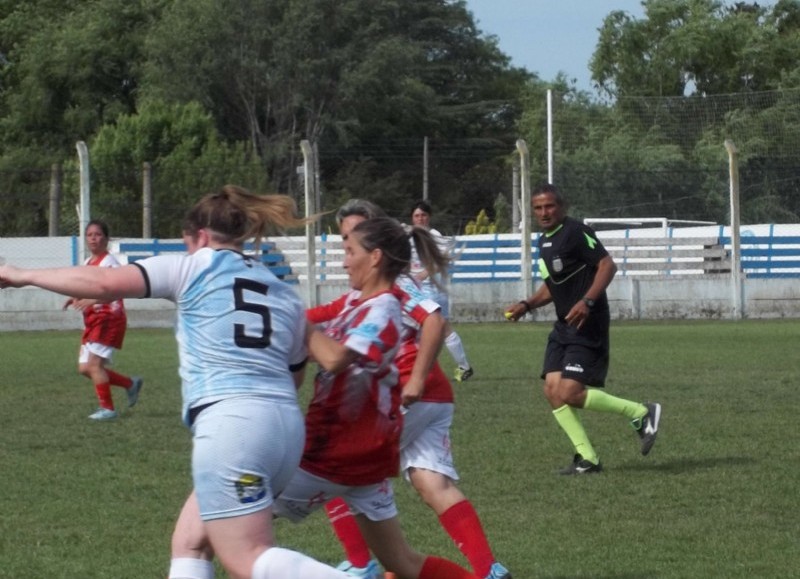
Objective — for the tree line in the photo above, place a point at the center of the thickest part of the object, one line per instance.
(216, 91)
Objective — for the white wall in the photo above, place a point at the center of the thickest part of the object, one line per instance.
(651, 297)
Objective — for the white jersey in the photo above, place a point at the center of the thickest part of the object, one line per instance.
(436, 292)
(240, 330)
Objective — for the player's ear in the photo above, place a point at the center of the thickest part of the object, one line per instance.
(203, 238)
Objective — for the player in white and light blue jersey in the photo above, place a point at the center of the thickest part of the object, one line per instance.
(237, 325)
(241, 335)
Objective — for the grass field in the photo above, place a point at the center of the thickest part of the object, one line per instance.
(717, 497)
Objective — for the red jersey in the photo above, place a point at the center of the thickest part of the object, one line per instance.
(105, 323)
(416, 308)
(353, 422)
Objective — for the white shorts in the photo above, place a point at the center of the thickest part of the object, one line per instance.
(245, 450)
(99, 350)
(425, 442)
(306, 493)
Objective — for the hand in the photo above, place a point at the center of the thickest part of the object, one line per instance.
(82, 304)
(10, 276)
(578, 314)
(515, 312)
(412, 391)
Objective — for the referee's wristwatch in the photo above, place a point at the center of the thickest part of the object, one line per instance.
(588, 301)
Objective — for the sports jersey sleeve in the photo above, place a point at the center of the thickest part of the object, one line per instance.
(589, 248)
(166, 275)
(326, 312)
(374, 332)
(416, 308)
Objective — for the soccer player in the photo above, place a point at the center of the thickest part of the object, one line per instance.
(432, 286)
(576, 270)
(425, 451)
(241, 334)
(104, 325)
(354, 419)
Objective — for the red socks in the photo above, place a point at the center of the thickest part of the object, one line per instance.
(463, 525)
(104, 395)
(118, 379)
(346, 528)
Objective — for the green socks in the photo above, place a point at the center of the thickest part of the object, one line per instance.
(601, 402)
(569, 421)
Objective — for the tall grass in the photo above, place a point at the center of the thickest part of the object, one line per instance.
(717, 497)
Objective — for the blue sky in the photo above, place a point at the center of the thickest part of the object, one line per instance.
(548, 36)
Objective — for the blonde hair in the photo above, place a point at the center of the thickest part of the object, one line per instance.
(234, 215)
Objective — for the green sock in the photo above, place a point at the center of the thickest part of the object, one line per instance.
(602, 402)
(569, 421)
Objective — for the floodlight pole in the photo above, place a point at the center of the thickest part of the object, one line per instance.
(526, 269)
(311, 249)
(84, 210)
(736, 252)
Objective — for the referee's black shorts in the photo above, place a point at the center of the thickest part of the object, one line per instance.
(585, 361)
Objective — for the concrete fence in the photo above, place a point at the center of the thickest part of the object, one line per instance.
(679, 277)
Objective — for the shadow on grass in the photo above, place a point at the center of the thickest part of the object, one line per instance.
(685, 465)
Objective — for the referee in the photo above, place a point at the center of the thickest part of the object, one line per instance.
(576, 270)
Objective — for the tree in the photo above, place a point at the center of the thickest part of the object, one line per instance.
(67, 68)
(187, 157)
(685, 47)
(355, 76)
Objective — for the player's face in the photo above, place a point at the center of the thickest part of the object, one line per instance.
(420, 218)
(360, 264)
(96, 240)
(547, 211)
(347, 224)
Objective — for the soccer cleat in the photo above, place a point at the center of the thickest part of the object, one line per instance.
(103, 414)
(371, 571)
(647, 426)
(581, 466)
(463, 374)
(133, 391)
(498, 572)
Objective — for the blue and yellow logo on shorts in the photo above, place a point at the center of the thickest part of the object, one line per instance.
(250, 488)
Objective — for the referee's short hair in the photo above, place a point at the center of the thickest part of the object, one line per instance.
(552, 190)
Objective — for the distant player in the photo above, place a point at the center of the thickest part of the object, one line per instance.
(105, 324)
(433, 288)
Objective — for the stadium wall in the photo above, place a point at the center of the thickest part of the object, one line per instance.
(651, 297)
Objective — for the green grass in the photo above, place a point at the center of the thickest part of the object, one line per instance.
(717, 497)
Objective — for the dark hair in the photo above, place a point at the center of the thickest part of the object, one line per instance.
(234, 215)
(549, 188)
(393, 240)
(360, 207)
(390, 237)
(101, 224)
(423, 206)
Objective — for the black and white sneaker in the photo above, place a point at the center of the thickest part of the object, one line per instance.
(647, 426)
(581, 466)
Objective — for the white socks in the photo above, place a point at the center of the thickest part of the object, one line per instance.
(278, 563)
(187, 568)
(456, 348)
